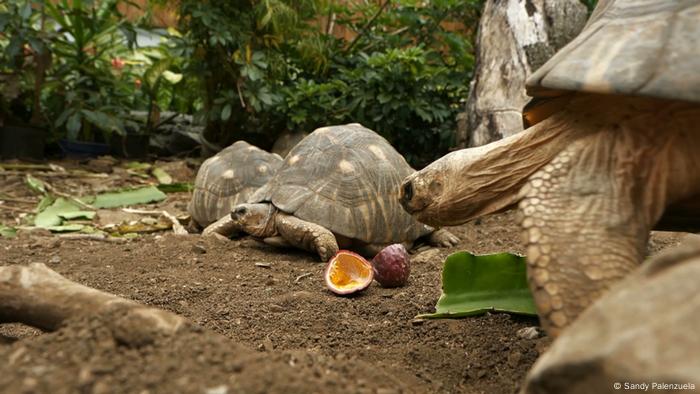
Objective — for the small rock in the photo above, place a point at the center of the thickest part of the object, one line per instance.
(528, 333)
(417, 322)
(514, 358)
(277, 308)
(199, 249)
(267, 343)
(55, 260)
(426, 256)
(223, 389)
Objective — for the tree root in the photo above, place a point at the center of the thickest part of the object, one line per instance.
(37, 296)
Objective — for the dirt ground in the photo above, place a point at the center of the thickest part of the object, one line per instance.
(264, 322)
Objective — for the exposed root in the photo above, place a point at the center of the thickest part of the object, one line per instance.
(40, 297)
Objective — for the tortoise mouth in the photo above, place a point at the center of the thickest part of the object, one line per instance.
(411, 199)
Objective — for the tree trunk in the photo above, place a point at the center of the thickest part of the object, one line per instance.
(515, 38)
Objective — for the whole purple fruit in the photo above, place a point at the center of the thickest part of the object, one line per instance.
(392, 266)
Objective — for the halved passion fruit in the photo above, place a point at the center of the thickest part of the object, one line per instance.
(347, 273)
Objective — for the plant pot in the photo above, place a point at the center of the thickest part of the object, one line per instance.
(81, 149)
(134, 146)
(22, 142)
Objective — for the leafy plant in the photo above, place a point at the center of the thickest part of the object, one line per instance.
(24, 59)
(473, 285)
(271, 65)
(88, 94)
(404, 74)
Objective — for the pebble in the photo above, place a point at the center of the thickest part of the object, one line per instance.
(528, 333)
(55, 260)
(223, 389)
(426, 256)
(199, 249)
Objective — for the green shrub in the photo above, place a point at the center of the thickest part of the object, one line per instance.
(267, 66)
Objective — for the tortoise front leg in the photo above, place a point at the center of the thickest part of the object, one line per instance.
(225, 227)
(582, 231)
(586, 216)
(442, 238)
(306, 235)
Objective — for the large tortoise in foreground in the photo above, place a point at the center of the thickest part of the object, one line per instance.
(339, 187)
(614, 146)
(229, 178)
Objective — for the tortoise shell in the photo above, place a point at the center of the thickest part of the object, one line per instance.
(228, 179)
(633, 47)
(346, 179)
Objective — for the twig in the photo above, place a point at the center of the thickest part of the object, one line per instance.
(141, 211)
(331, 19)
(77, 174)
(302, 276)
(68, 196)
(35, 167)
(93, 237)
(13, 209)
(166, 120)
(177, 227)
(263, 265)
(366, 27)
(18, 200)
(240, 95)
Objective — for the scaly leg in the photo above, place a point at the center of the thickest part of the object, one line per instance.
(225, 227)
(306, 235)
(442, 238)
(586, 216)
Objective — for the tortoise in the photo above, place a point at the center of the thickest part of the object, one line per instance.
(612, 148)
(338, 187)
(286, 141)
(227, 179)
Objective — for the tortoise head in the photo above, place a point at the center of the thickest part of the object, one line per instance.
(467, 183)
(255, 219)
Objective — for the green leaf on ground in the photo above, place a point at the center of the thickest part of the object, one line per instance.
(163, 177)
(137, 166)
(7, 232)
(52, 215)
(176, 187)
(35, 184)
(143, 195)
(78, 215)
(66, 228)
(45, 203)
(473, 285)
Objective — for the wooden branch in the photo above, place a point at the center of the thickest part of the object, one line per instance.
(40, 297)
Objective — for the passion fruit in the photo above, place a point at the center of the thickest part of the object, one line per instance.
(348, 273)
(391, 266)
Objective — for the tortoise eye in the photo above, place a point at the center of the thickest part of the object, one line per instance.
(237, 212)
(407, 191)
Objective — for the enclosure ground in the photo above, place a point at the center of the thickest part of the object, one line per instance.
(267, 322)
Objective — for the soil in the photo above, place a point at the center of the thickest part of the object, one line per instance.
(263, 320)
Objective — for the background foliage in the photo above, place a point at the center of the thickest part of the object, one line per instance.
(269, 66)
(249, 69)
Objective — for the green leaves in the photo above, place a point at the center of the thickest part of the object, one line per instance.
(472, 285)
(53, 214)
(124, 198)
(7, 232)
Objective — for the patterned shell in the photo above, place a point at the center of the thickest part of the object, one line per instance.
(228, 179)
(638, 47)
(346, 179)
